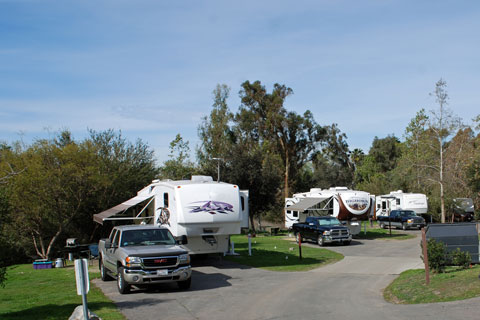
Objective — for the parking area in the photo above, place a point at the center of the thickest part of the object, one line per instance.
(348, 289)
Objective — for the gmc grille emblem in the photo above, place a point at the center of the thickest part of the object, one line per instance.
(160, 260)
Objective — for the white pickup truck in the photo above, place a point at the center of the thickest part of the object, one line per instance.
(144, 255)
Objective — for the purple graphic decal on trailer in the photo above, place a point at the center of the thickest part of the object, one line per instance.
(212, 207)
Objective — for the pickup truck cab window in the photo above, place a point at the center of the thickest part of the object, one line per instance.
(116, 239)
(112, 235)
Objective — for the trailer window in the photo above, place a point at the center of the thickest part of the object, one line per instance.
(295, 214)
(384, 205)
(242, 201)
(398, 201)
(165, 200)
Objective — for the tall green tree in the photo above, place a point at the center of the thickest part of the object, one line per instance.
(179, 166)
(266, 120)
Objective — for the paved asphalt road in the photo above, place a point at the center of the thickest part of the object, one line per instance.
(349, 289)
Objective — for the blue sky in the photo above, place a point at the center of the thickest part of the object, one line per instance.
(148, 68)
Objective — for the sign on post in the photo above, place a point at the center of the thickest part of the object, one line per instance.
(83, 284)
(81, 276)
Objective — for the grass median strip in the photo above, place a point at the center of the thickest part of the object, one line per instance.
(276, 253)
(383, 234)
(49, 294)
(454, 284)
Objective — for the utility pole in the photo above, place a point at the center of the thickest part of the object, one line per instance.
(218, 167)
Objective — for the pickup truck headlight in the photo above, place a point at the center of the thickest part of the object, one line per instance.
(326, 233)
(184, 258)
(133, 262)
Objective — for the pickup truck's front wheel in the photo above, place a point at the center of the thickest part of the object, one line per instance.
(103, 271)
(320, 241)
(122, 286)
(184, 285)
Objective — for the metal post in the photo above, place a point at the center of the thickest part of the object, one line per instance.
(249, 244)
(425, 257)
(365, 228)
(390, 224)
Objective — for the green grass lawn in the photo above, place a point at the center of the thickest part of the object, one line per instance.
(49, 294)
(277, 254)
(454, 284)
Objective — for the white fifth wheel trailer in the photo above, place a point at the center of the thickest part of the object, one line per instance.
(351, 206)
(207, 212)
(399, 200)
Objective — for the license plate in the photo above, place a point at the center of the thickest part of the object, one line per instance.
(162, 272)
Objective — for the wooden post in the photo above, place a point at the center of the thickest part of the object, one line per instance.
(425, 257)
(300, 245)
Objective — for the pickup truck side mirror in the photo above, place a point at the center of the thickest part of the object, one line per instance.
(183, 240)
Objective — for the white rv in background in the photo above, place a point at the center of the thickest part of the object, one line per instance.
(398, 200)
(351, 206)
(207, 212)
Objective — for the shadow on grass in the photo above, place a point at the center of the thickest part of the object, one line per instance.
(51, 311)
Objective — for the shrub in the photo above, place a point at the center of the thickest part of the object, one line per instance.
(437, 255)
(460, 258)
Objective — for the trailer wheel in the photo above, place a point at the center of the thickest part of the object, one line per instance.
(122, 286)
(320, 241)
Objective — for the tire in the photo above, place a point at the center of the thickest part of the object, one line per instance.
(103, 271)
(298, 238)
(404, 226)
(184, 285)
(382, 225)
(320, 241)
(122, 286)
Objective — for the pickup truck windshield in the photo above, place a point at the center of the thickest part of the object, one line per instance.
(407, 214)
(329, 222)
(148, 237)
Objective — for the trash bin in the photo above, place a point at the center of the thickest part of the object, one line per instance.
(59, 263)
(456, 235)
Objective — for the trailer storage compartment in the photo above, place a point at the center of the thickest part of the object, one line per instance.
(456, 235)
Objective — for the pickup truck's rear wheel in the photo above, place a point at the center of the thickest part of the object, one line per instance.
(122, 286)
(320, 241)
(382, 225)
(103, 271)
(184, 285)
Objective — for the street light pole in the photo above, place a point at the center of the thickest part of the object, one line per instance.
(218, 167)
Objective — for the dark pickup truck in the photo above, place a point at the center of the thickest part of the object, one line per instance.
(404, 219)
(322, 230)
